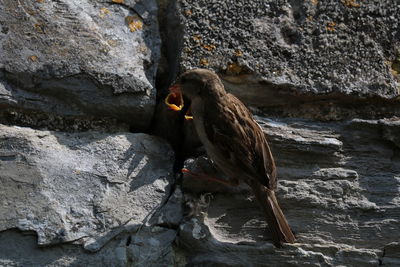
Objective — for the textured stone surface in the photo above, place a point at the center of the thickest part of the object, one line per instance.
(204, 250)
(271, 51)
(106, 198)
(339, 188)
(80, 58)
(152, 247)
(20, 249)
(83, 188)
(149, 247)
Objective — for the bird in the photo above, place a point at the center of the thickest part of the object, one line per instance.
(235, 142)
(174, 124)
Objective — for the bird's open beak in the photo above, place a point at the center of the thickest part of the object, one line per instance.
(174, 99)
(189, 115)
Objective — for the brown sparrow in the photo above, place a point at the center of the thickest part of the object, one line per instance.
(234, 141)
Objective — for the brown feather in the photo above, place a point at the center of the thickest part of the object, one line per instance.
(278, 225)
(230, 126)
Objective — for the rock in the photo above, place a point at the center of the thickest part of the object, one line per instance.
(338, 187)
(335, 173)
(203, 250)
(80, 58)
(20, 249)
(323, 78)
(149, 246)
(273, 53)
(152, 247)
(391, 254)
(170, 215)
(390, 128)
(83, 188)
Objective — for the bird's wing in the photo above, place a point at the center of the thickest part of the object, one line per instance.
(237, 135)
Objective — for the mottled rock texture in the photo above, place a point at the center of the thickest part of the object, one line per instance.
(272, 52)
(339, 188)
(84, 188)
(80, 58)
(322, 76)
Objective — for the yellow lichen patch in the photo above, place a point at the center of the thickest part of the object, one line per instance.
(234, 68)
(104, 12)
(315, 2)
(209, 47)
(104, 50)
(330, 26)
(350, 3)
(112, 43)
(204, 62)
(118, 1)
(395, 69)
(63, 51)
(33, 58)
(134, 23)
(394, 72)
(196, 37)
(31, 12)
(396, 64)
(143, 49)
(188, 12)
(39, 28)
(40, 1)
(238, 53)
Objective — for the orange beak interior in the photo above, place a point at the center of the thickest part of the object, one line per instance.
(174, 100)
(189, 115)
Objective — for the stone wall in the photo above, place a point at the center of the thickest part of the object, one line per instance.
(87, 174)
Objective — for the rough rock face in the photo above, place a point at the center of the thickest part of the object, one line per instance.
(339, 183)
(270, 52)
(322, 76)
(339, 188)
(83, 188)
(80, 58)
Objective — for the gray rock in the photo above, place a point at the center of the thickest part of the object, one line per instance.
(204, 250)
(335, 173)
(170, 215)
(273, 52)
(148, 247)
(21, 249)
(80, 58)
(390, 128)
(76, 65)
(391, 254)
(338, 187)
(82, 188)
(152, 247)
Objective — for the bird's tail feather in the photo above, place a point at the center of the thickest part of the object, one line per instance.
(277, 222)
